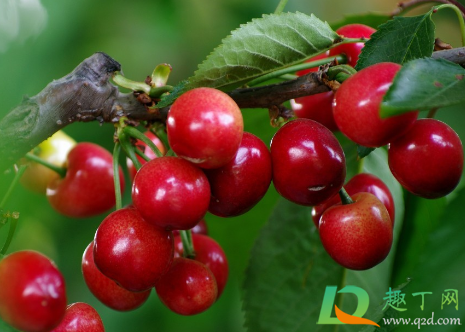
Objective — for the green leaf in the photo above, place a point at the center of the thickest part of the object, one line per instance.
(399, 40)
(425, 84)
(371, 19)
(169, 98)
(4, 327)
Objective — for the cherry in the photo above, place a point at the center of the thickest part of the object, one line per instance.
(352, 50)
(428, 159)
(205, 126)
(358, 236)
(200, 228)
(239, 185)
(171, 192)
(362, 182)
(145, 149)
(308, 162)
(33, 295)
(357, 102)
(131, 251)
(88, 188)
(106, 290)
(188, 288)
(210, 253)
(80, 317)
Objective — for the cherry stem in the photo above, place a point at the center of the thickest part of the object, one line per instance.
(60, 170)
(130, 84)
(156, 92)
(129, 149)
(432, 113)
(133, 132)
(143, 155)
(187, 244)
(13, 184)
(116, 179)
(279, 9)
(13, 219)
(159, 130)
(345, 197)
(460, 16)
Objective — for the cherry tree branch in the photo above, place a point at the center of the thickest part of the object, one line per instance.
(402, 6)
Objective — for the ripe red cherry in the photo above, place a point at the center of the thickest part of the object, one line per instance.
(428, 159)
(88, 188)
(171, 192)
(357, 102)
(132, 252)
(205, 126)
(80, 317)
(240, 184)
(32, 292)
(362, 182)
(352, 50)
(188, 288)
(145, 149)
(210, 253)
(308, 162)
(106, 290)
(358, 236)
(200, 228)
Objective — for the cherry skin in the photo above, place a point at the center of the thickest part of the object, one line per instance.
(352, 50)
(210, 253)
(88, 188)
(428, 159)
(356, 107)
(200, 228)
(33, 295)
(171, 192)
(145, 149)
(239, 185)
(362, 182)
(188, 288)
(358, 236)
(132, 252)
(80, 317)
(205, 126)
(308, 162)
(106, 290)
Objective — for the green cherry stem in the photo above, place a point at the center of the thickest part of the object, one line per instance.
(187, 244)
(279, 9)
(143, 155)
(130, 84)
(159, 130)
(13, 184)
(60, 170)
(345, 198)
(156, 92)
(340, 73)
(129, 149)
(459, 16)
(116, 179)
(133, 132)
(13, 219)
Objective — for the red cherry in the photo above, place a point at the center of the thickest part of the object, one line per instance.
(188, 288)
(357, 102)
(148, 152)
(308, 162)
(358, 236)
(200, 228)
(210, 253)
(80, 317)
(239, 185)
(106, 290)
(205, 126)
(317, 107)
(171, 192)
(352, 50)
(32, 292)
(428, 159)
(131, 251)
(88, 188)
(362, 182)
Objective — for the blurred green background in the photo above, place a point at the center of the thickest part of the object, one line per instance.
(47, 42)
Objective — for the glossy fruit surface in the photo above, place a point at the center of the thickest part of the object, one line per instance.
(200, 228)
(356, 107)
(308, 162)
(210, 253)
(358, 236)
(239, 185)
(188, 288)
(362, 182)
(32, 295)
(171, 192)
(205, 126)
(145, 149)
(318, 107)
(106, 290)
(54, 150)
(352, 50)
(428, 159)
(88, 188)
(80, 317)
(131, 251)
